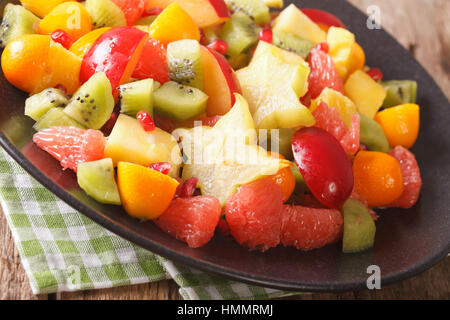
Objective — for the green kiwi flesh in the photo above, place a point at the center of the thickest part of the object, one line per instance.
(93, 104)
(136, 96)
(255, 9)
(185, 63)
(372, 135)
(39, 104)
(97, 179)
(17, 21)
(240, 33)
(179, 102)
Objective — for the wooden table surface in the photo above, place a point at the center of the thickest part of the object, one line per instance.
(421, 26)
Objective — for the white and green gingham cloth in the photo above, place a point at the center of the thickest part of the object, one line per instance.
(62, 250)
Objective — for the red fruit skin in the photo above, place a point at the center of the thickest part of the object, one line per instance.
(71, 146)
(133, 9)
(310, 228)
(191, 220)
(324, 165)
(221, 8)
(411, 178)
(152, 62)
(114, 53)
(253, 215)
(323, 73)
(323, 17)
(230, 76)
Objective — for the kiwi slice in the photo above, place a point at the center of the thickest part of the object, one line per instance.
(136, 96)
(185, 63)
(399, 92)
(240, 33)
(55, 117)
(240, 61)
(93, 104)
(372, 135)
(105, 13)
(255, 9)
(292, 43)
(16, 22)
(359, 227)
(146, 21)
(97, 180)
(211, 34)
(39, 104)
(179, 102)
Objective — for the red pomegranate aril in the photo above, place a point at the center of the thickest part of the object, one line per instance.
(109, 125)
(146, 120)
(219, 45)
(152, 12)
(61, 87)
(375, 74)
(323, 46)
(266, 35)
(62, 37)
(163, 167)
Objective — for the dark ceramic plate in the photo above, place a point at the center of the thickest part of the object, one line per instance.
(407, 241)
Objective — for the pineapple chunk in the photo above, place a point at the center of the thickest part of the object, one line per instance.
(335, 99)
(278, 4)
(367, 94)
(293, 20)
(226, 156)
(272, 84)
(342, 43)
(129, 142)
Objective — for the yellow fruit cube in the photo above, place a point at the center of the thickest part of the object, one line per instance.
(342, 43)
(367, 94)
(292, 20)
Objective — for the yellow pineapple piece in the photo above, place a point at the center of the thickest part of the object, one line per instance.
(367, 94)
(278, 4)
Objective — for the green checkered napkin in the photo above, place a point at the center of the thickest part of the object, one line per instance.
(62, 250)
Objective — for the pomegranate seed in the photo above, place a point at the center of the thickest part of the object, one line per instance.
(375, 74)
(152, 12)
(62, 38)
(323, 46)
(266, 35)
(163, 167)
(219, 45)
(146, 120)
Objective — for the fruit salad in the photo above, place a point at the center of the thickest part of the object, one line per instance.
(235, 117)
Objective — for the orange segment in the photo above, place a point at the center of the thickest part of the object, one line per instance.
(26, 55)
(72, 17)
(145, 193)
(400, 124)
(174, 24)
(83, 44)
(284, 179)
(378, 178)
